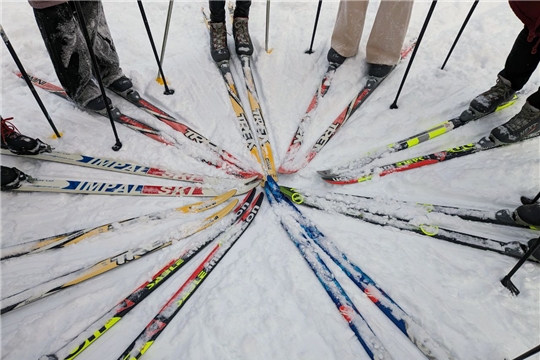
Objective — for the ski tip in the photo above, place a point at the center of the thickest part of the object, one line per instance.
(283, 170)
(324, 172)
(337, 180)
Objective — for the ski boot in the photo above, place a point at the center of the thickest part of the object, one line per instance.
(218, 42)
(488, 101)
(98, 105)
(524, 124)
(18, 143)
(334, 58)
(380, 70)
(11, 178)
(242, 40)
(528, 215)
(124, 87)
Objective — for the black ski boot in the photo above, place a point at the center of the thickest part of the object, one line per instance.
(536, 254)
(98, 105)
(11, 178)
(528, 215)
(18, 143)
(488, 101)
(380, 70)
(218, 42)
(334, 58)
(524, 124)
(242, 40)
(124, 87)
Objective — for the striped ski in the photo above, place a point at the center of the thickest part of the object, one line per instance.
(443, 128)
(224, 243)
(227, 161)
(74, 237)
(17, 300)
(113, 316)
(304, 243)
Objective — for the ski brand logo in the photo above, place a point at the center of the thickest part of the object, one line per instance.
(107, 163)
(261, 128)
(246, 131)
(462, 148)
(164, 274)
(411, 161)
(326, 136)
(198, 138)
(173, 190)
(135, 254)
(253, 213)
(97, 187)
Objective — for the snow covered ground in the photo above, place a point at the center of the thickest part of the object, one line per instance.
(263, 301)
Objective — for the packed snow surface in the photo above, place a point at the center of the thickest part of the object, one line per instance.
(263, 300)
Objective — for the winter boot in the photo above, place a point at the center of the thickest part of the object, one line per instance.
(18, 143)
(242, 41)
(11, 178)
(124, 87)
(528, 215)
(380, 70)
(524, 124)
(98, 105)
(488, 101)
(334, 57)
(218, 42)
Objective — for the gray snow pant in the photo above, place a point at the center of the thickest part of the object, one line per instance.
(386, 37)
(69, 53)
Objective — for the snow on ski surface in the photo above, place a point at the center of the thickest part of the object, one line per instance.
(263, 301)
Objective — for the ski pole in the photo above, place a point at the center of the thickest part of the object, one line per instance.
(27, 79)
(460, 31)
(267, 26)
(310, 50)
(424, 27)
(82, 23)
(145, 20)
(527, 201)
(529, 353)
(506, 281)
(165, 37)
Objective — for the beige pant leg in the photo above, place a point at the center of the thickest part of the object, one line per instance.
(388, 32)
(349, 26)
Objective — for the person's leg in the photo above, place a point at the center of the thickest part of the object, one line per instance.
(242, 8)
(349, 26)
(388, 32)
(68, 52)
(521, 62)
(217, 11)
(104, 49)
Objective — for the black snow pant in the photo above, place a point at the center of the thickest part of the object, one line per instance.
(217, 9)
(521, 64)
(69, 53)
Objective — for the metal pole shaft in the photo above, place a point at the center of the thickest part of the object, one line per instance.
(82, 24)
(267, 25)
(165, 35)
(310, 50)
(27, 79)
(149, 32)
(460, 31)
(529, 353)
(424, 27)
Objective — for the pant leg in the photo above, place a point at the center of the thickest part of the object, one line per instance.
(68, 52)
(388, 32)
(242, 8)
(217, 10)
(349, 26)
(521, 63)
(103, 45)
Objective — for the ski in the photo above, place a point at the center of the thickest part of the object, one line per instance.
(303, 241)
(381, 208)
(403, 321)
(14, 301)
(74, 237)
(513, 249)
(371, 84)
(468, 149)
(116, 165)
(224, 243)
(102, 188)
(113, 316)
(227, 161)
(135, 98)
(298, 137)
(466, 117)
(260, 125)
